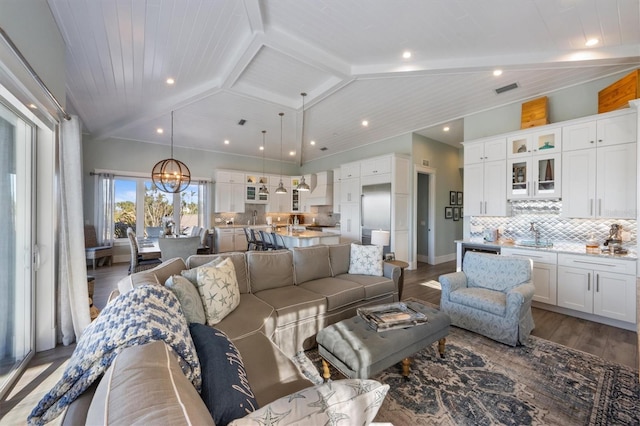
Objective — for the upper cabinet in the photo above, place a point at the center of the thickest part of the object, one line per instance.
(487, 150)
(600, 168)
(229, 191)
(375, 170)
(484, 175)
(529, 143)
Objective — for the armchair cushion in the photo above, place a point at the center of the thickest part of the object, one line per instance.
(482, 299)
(494, 272)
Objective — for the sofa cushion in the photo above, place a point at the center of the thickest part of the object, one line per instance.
(189, 298)
(481, 299)
(225, 388)
(192, 273)
(136, 280)
(366, 260)
(251, 316)
(338, 292)
(218, 289)
(271, 373)
(339, 255)
(270, 269)
(374, 286)
(495, 272)
(239, 262)
(351, 401)
(145, 385)
(310, 263)
(293, 304)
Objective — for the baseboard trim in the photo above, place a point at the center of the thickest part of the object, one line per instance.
(583, 315)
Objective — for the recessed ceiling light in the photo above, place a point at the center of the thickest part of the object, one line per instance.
(159, 131)
(170, 81)
(497, 73)
(292, 153)
(365, 123)
(312, 142)
(262, 148)
(33, 106)
(406, 54)
(592, 42)
(446, 128)
(226, 141)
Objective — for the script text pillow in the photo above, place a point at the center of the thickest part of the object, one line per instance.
(218, 288)
(343, 402)
(189, 298)
(225, 388)
(366, 260)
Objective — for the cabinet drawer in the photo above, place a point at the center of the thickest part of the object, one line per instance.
(600, 263)
(537, 256)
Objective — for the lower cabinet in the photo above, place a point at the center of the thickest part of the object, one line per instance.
(600, 286)
(544, 273)
(230, 239)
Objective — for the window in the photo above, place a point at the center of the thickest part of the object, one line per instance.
(138, 201)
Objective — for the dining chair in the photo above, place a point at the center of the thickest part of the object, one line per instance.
(92, 250)
(204, 242)
(137, 263)
(178, 247)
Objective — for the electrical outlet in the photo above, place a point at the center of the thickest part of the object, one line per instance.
(626, 236)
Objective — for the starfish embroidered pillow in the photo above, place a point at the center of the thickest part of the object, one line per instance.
(366, 260)
(219, 291)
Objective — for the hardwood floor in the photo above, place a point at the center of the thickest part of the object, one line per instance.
(45, 368)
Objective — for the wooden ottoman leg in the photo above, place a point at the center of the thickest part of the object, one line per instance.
(406, 367)
(441, 343)
(326, 374)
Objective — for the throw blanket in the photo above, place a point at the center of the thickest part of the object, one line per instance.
(145, 314)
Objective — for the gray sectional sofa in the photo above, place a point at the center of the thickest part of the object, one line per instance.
(286, 297)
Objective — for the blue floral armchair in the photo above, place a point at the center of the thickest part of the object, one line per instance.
(490, 296)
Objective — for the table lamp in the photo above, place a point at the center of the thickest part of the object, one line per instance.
(380, 238)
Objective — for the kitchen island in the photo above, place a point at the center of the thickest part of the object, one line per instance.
(307, 238)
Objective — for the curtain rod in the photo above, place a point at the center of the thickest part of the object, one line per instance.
(33, 73)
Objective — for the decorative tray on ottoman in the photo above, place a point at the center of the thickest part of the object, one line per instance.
(391, 316)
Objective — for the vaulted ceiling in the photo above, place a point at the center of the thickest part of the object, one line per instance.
(249, 60)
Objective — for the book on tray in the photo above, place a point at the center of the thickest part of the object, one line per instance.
(391, 316)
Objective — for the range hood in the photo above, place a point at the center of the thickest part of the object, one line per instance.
(321, 189)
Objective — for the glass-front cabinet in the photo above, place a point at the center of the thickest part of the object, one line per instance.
(534, 142)
(253, 185)
(535, 177)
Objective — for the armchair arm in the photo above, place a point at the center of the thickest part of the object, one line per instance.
(518, 296)
(392, 272)
(451, 282)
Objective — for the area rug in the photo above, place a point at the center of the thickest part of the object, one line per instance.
(482, 382)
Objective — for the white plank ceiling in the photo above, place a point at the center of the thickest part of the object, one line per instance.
(251, 59)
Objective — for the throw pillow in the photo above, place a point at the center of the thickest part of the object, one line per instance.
(192, 274)
(218, 290)
(350, 401)
(225, 388)
(189, 298)
(366, 260)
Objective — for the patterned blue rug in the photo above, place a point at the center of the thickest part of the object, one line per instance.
(482, 382)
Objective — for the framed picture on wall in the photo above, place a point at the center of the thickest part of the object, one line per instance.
(448, 212)
(452, 198)
(459, 198)
(456, 213)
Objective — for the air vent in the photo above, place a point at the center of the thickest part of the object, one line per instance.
(506, 88)
(241, 122)
(324, 148)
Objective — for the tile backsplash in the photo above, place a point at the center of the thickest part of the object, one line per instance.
(552, 226)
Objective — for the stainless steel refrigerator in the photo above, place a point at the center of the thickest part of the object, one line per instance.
(375, 210)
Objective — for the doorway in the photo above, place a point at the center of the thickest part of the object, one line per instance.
(424, 183)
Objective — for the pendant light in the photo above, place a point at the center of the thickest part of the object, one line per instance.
(263, 189)
(281, 189)
(171, 175)
(302, 186)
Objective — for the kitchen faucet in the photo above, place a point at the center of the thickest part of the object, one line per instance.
(255, 216)
(535, 232)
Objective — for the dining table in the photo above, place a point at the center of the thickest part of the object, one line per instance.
(150, 249)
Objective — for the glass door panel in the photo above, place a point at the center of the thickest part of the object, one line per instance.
(547, 176)
(519, 179)
(16, 245)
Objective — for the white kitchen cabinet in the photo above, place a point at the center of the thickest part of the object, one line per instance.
(609, 129)
(376, 170)
(350, 221)
(545, 269)
(600, 182)
(336, 190)
(252, 190)
(239, 240)
(534, 176)
(485, 150)
(229, 191)
(533, 142)
(601, 286)
(299, 199)
(350, 190)
(484, 189)
(224, 240)
(279, 203)
(350, 170)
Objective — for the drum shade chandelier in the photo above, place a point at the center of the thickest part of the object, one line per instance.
(171, 175)
(302, 186)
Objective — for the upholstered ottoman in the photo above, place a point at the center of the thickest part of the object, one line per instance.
(358, 351)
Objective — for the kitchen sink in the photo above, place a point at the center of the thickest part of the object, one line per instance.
(533, 243)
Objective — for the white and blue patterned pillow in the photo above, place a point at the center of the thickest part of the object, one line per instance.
(219, 291)
(366, 260)
(192, 274)
(348, 402)
(189, 298)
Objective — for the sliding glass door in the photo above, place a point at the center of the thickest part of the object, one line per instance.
(16, 244)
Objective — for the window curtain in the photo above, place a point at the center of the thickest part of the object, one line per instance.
(105, 206)
(73, 294)
(203, 204)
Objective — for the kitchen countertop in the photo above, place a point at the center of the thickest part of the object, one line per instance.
(304, 234)
(558, 247)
